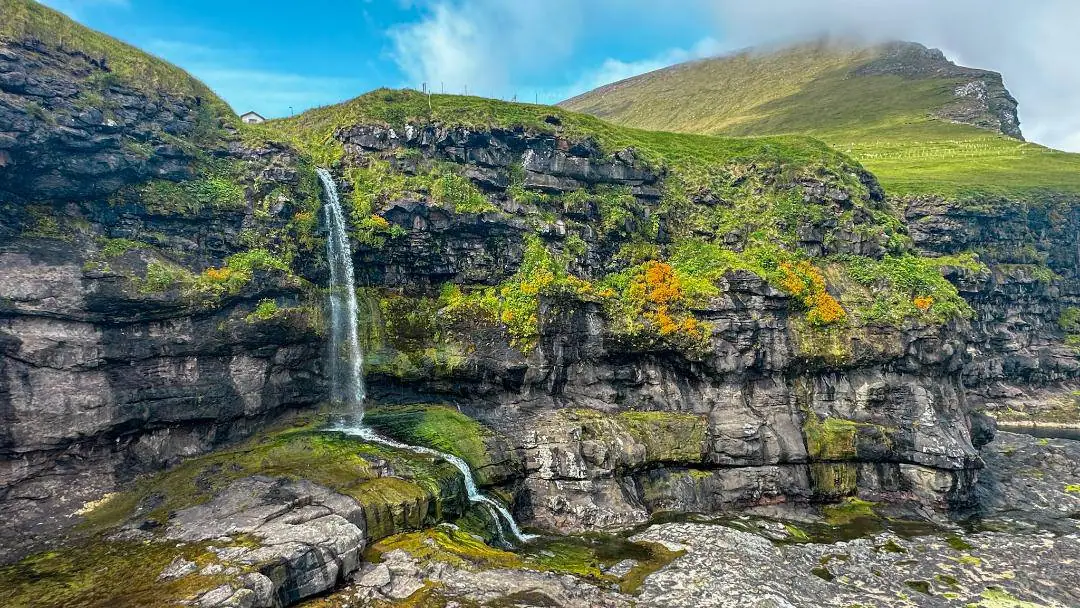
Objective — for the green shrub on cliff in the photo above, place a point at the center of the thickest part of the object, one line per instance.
(213, 191)
(904, 287)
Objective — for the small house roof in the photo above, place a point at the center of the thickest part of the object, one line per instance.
(252, 113)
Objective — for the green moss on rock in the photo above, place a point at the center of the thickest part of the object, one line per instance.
(833, 480)
(104, 574)
(337, 461)
(667, 436)
(831, 439)
(441, 428)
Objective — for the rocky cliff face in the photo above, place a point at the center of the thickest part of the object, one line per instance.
(154, 306)
(118, 353)
(1021, 356)
(614, 427)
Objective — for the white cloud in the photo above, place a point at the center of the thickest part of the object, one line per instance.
(485, 46)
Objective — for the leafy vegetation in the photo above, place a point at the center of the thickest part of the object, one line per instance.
(112, 248)
(213, 283)
(266, 310)
(887, 122)
(213, 191)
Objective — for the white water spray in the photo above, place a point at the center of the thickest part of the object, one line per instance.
(347, 359)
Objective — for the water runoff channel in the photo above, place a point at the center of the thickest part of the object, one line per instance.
(346, 358)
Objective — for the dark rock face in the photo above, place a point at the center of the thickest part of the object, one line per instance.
(101, 376)
(1031, 251)
(761, 417)
(74, 132)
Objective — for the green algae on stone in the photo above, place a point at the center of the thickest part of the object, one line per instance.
(848, 511)
(335, 460)
(994, 597)
(830, 439)
(585, 556)
(958, 543)
(438, 427)
(667, 436)
(833, 480)
(104, 574)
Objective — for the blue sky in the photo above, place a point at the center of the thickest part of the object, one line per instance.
(271, 56)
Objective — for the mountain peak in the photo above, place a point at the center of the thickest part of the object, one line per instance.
(785, 90)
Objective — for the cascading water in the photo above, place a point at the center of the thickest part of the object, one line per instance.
(470, 483)
(347, 359)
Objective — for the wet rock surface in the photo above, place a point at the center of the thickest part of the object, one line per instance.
(306, 540)
(726, 567)
(103, 377)
(1010, 556)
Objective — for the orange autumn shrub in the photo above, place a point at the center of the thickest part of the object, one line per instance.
(656, 292)
(804, 281)
(923, 303)
(824, 309)
(218, 275)
(658, 285)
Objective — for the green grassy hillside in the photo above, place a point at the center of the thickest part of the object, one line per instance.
(27, 20)
(888, 114)
(689, 153)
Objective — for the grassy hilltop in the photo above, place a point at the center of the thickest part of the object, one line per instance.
(27, 21)
(894, 108)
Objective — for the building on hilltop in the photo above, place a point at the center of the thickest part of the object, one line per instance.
(252, 118)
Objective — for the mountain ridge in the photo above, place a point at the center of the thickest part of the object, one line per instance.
(920, 122)
(909, 60)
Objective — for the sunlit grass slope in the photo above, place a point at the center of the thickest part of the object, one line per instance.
(29, 21)
(886, 121)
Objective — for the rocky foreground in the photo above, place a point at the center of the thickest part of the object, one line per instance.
(1020, 552)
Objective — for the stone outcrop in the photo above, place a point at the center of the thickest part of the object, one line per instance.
(980, 96)
(1019, 357)
(103, 374)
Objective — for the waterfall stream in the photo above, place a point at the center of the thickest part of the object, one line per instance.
(346, 358)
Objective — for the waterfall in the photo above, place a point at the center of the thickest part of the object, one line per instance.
(369, 434)
(347, 359)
